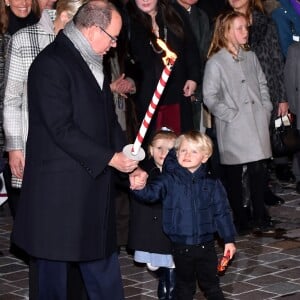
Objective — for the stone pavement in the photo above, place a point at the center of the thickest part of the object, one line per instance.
(263, 268)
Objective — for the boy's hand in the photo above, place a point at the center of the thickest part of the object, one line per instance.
(231, 248)
(138, 179)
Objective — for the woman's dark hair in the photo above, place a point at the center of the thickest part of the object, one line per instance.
(252, 5)
(170, 17)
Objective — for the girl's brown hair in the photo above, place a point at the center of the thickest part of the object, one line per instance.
(223, 24)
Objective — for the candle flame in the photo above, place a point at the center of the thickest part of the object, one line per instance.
(170, 56)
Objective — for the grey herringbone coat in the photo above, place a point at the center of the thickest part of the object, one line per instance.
(236, 93)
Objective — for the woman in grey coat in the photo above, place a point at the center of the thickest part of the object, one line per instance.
(235, 91)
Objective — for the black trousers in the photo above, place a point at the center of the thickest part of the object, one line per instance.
(196, 263)
(258, 181)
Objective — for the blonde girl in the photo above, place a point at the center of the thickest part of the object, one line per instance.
(235, 91)
(146, 235)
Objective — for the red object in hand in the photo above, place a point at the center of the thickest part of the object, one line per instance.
(223, 262)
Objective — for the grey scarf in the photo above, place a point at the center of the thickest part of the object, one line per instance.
(93, 60)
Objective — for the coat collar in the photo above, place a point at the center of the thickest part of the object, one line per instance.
(171, 166)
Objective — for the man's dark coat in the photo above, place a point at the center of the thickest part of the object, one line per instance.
(66, 210)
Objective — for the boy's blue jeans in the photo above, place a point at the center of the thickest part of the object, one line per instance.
(197, 262)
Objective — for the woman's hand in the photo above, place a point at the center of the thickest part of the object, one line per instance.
(189, 88)
(122, 86)
(16, 162)
(283, 109)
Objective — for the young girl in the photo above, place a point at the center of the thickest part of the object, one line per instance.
(146, 235)
(235, 91)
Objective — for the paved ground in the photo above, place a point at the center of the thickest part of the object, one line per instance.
(264, 267)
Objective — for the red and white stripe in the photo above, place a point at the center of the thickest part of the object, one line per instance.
(152, 107)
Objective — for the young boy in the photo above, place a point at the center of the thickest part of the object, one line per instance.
(195, 206)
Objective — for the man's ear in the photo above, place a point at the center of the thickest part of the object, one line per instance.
(89, 33)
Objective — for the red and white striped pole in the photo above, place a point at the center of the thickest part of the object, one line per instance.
(135, 151)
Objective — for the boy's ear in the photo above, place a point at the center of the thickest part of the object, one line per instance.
(205, 158)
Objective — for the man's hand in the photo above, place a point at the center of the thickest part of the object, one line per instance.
(16, 162)
(122, 163)
(138, 179)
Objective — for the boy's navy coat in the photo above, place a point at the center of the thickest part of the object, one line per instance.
(195, 206)
(66, 210)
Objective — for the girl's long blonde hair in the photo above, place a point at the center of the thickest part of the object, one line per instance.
(223, 24)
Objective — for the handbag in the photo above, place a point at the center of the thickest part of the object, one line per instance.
(285, 139)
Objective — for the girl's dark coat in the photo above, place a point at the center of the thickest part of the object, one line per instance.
(146, 229)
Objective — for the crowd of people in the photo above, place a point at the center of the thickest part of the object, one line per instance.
(77, 77)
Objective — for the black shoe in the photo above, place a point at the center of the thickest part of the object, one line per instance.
(265, 228)
(271, 199)
(242, 231)
(162, 284)
(171, 280)
(284, 173)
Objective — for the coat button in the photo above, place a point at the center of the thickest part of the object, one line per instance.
(155, 218)
(243, 80)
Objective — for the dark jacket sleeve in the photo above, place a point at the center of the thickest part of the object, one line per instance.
(154, 191)
(222, 214)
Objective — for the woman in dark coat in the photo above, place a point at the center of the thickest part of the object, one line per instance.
(147, 21)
